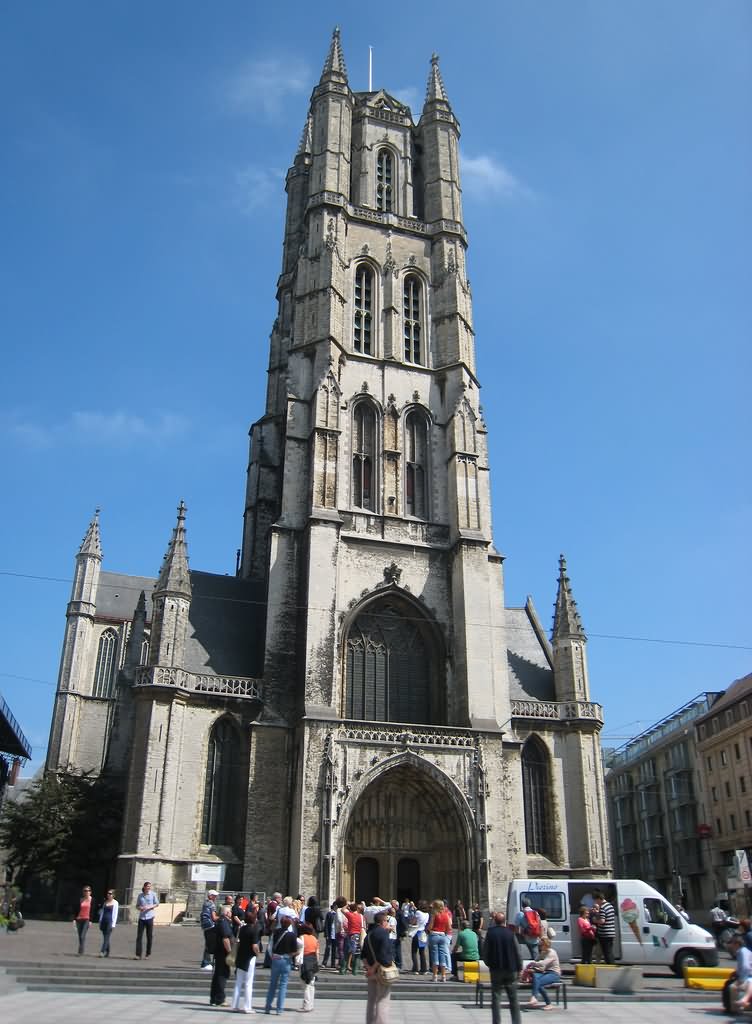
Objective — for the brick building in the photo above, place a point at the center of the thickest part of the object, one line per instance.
(359, 691)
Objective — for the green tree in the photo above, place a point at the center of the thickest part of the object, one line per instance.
(64, 828)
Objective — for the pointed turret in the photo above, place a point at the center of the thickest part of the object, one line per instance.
(92, 544)
(173, 576)
(567, 622)
(306, 138)
(172, 600)
(334, 65)
(568, 641)
(135, 639)
(435, 91)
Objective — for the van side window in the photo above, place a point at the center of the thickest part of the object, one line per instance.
(551, 903)
(658, 912)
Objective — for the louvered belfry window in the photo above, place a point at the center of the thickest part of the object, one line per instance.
(387, 668)
(363, 455)
(536, 790)
(363, 315)
(411, 319)
(384, 181)
(416, 465)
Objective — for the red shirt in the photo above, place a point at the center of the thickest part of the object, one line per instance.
(84, 910)
(442, 922)
(354, 922)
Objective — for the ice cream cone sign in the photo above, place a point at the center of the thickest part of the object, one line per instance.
(630, 915)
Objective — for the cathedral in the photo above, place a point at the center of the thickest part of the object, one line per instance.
(356, 711)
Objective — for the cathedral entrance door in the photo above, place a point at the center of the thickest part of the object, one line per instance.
(407, 838)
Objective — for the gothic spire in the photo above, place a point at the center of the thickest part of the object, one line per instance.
(173, 576)
(91, 544)
(567, 621)
(306, 139)
(334, 65)
(435, 91)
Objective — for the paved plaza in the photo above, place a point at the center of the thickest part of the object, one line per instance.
(72, 1009)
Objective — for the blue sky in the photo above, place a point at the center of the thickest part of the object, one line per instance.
(607, 196)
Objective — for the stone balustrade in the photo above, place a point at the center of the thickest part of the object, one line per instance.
(193, 682)
(558, 711)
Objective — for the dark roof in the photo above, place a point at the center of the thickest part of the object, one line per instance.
(530, 674)
(739, 688)
(227, 620)
(117, 595)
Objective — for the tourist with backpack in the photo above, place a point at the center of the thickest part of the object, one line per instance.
(529, 928)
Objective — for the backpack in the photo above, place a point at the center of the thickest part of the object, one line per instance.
(532, 926)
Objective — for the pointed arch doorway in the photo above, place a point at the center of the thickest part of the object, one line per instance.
(407, 837)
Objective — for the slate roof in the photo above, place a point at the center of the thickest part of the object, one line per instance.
(739, 688)
(117, 595)
(531, 676)
(227, 620)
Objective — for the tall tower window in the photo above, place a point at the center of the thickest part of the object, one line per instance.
(416, 465)
(104, 674)
(388, 667)
(363, 318)
(412, 320)
(364, 455)
(384, 165)
(220, 825)
(536, 792)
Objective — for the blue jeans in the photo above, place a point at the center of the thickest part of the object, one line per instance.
(281, 967)
(438, 950)
(540, 980)
(82, 928)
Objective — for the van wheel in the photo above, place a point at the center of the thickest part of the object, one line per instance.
(685, 958)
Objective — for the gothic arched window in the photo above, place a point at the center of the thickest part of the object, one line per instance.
(220, 820)
(388, 667)
(416, 465)
(411, 318)
(537, 797)
(384, 166)
(363, 456)
(363, 315)
(104, 673)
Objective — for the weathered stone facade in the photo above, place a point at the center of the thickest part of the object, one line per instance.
(376, 717)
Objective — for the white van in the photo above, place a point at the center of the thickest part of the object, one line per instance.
(649, 931)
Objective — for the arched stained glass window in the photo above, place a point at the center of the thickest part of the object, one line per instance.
(363, 315)
(104, 673)
(220, 819)
(388, 667)
(411, 318)
(363, 455)
(536, 795)
(384, 174)
(416, 465)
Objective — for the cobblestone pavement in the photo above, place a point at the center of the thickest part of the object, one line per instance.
(72, 1009)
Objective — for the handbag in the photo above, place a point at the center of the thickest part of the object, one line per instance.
(387, 975)
(230, 957)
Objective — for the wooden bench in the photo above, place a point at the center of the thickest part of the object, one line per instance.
(559, 987)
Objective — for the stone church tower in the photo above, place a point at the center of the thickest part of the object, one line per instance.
(357, 711)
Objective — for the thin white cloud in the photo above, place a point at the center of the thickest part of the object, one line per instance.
(262, 86)
(255, 187)
(484, 177)
(115, 429)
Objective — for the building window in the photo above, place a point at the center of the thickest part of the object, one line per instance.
(363, 317)
(737, 752)
(220, 825)
(104, 674)
(727, 787)
(724, 759)
(416, 465)
(732, 822)
(363, 455)
(710, 763)
(718, 828)
(144, 656)
(411, 317)
(388, 667)
(742, 784)
(714, 792)
(384, 173)
(537, 797)
(748, 817)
